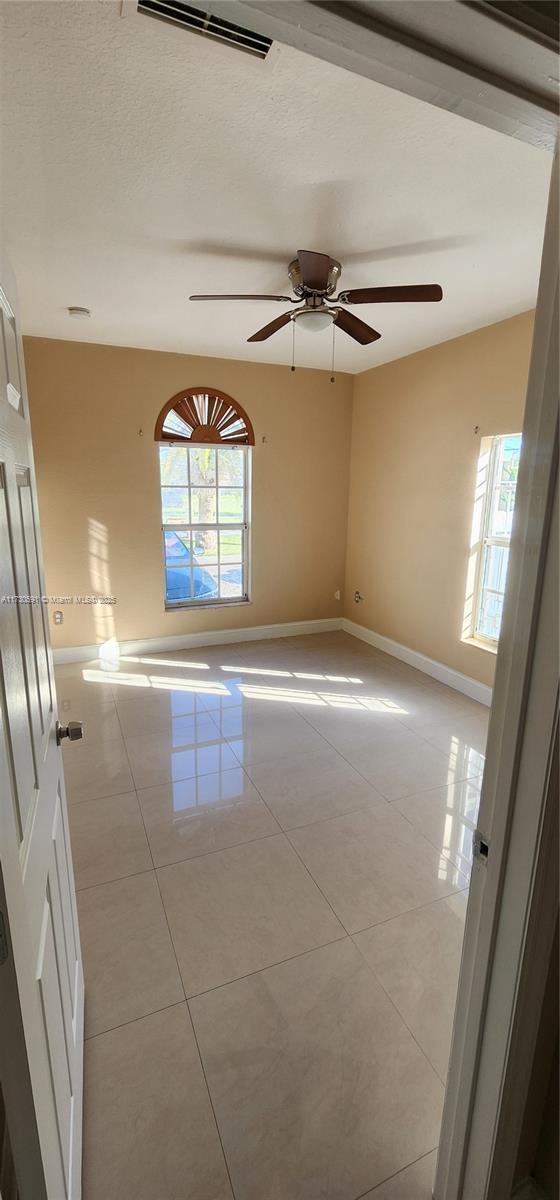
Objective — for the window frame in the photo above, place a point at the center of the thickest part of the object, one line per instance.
(243, 526)
(486, 540)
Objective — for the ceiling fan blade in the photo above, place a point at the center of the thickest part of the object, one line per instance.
(314, 270)
(362, 333)
(286, 299)
(390, 295)
(262, 334)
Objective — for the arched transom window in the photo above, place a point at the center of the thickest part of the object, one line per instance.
(204, 415)
(204, 447)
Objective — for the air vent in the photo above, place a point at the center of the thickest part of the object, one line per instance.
(207, 25)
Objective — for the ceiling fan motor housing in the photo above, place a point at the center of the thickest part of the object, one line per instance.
(294, 272)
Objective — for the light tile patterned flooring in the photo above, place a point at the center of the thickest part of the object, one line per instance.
(272, 849)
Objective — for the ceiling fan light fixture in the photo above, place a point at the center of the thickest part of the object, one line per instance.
(314, 320)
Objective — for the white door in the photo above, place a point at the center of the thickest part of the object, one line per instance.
(34, 841)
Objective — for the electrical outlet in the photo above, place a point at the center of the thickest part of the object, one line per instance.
(58, 617)
(337, 594)
(357, 597)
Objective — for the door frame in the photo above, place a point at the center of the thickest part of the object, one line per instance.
(513, 904)
(478, 58)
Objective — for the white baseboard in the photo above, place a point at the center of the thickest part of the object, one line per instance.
(430, 666)
(187, 641)
(253, 633)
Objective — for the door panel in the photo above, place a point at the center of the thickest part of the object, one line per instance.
(18, 714)
(33, 588)
(49, 979)
(64, 917)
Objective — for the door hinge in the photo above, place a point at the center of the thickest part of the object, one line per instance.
(481, 846)
(3, 940)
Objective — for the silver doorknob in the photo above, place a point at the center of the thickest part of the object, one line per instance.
(74, 730)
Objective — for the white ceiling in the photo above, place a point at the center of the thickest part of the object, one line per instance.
(141, 163)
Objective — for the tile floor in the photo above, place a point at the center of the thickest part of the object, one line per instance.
(272, 849)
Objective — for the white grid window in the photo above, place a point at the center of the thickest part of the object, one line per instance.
(205, 524)
(501, 457)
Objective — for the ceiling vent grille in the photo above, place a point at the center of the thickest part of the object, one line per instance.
(207, 25)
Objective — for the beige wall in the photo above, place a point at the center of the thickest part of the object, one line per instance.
(98, 485)
(400, 534)
(413, 468)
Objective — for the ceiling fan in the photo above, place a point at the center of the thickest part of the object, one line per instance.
(314, 278)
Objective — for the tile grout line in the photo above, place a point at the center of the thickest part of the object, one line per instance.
(464, 779)
(264, 837)
(306, 868)
(280, 829)
(211, 1102)
(269, 966)
(186, 1002)
(442, 850)
(133, 1020)
(286, 831)
(418, 834)
(371, 1191)
(322, 820)
(282, 833)
(406, 912)
(391, 803)
(398, 1012)
(89, 887)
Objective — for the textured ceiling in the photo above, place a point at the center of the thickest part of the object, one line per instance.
(141, 163)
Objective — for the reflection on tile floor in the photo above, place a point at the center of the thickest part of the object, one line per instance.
(272, 849)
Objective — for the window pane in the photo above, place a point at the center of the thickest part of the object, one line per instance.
(503, 497)
(495, 568)
(203, 487)
(231, 580)
(178, 576)
(203, 506)
(205, 546)
(205, 582)
(231, 466)
(178, 584)
(174, 465)
(175, 505)
(494, 573)
(174, 424)
(177, 547)
(231, 505)
(231, 545)
(203, 465)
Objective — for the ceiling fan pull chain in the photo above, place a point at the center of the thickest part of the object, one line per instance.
(293, 346)
(332, 361)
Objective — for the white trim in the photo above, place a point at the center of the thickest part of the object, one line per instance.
(430, 666)
(186, 641)
(254, 633)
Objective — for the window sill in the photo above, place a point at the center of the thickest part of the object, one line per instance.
(481, 644)
(191, 606)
